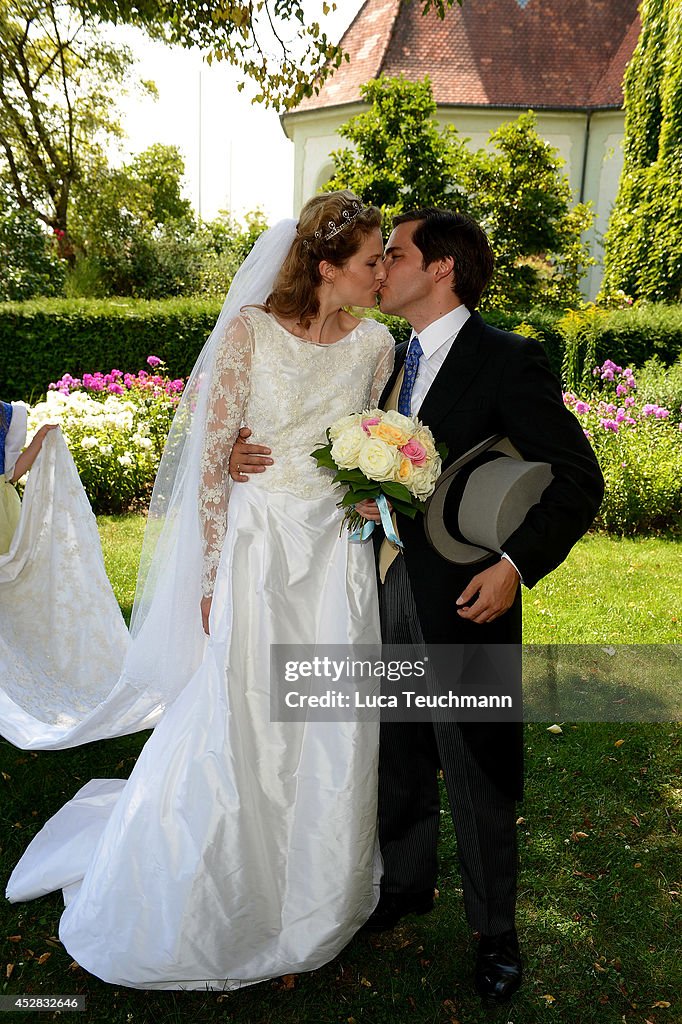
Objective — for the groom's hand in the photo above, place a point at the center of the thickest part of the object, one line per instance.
(370, 510)
(496, 588)
(247, 458)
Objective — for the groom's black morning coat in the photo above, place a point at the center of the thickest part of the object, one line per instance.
(495, 382)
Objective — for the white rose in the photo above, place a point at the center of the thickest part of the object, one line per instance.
(125, 460)
(396, 419)
(377, 460)
(423, 480)
(425, 438)
(89, 442)
(144, 442)
(346, 448)
(345, 423)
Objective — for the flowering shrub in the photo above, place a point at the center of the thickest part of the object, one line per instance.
(639, 447)
(115, 425)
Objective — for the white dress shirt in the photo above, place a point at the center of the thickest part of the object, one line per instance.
(436, 341)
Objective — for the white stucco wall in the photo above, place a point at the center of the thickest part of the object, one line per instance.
(604, 165)
(314, 136)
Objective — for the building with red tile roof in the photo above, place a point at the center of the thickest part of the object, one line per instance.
(487, 61)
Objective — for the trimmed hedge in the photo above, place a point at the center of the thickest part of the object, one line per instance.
(628, 336)
(42, 339)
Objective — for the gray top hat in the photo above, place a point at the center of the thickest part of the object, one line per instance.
(496, 489)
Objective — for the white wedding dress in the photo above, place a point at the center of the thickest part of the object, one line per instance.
(241, 849)
(62, 636)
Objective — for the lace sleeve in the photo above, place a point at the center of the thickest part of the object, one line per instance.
(383, 369)
(228, 394)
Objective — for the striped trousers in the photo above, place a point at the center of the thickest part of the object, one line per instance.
(410, 756)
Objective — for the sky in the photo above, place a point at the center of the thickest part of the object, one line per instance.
(237, 156)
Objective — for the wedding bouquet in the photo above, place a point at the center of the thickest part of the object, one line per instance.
(381, 455)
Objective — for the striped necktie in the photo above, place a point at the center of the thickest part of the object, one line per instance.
(411, 369)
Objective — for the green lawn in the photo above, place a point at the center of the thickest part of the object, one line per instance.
(599, 901)
(610, 590)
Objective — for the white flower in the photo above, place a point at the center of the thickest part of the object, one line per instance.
(346, 447)
(425, 438)
(143, 442)
(106, 449)
(424, 479)
(89, 442)
(345, 423)
(125, 460)
(396, 419)
(377, 460)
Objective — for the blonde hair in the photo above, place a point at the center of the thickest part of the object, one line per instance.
(294, 293)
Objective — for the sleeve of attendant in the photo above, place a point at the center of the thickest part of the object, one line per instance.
(228, 394)
(383, 369)
(542, 429)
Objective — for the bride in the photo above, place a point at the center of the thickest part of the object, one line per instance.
(240, 848)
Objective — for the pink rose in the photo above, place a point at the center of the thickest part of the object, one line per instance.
(415, 452)
(367, 423)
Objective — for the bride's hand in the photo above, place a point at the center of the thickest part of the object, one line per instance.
(205, 612)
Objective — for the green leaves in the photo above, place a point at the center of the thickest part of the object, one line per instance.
(324, 457)
(402, 159)
(276, 43)
(643, 242)
(57, 89)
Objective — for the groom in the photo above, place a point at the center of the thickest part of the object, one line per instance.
(466, 381)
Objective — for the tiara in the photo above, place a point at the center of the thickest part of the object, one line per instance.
(347, 217)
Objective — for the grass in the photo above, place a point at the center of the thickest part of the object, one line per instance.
(610, 590)
(600, 885)
(121, 538)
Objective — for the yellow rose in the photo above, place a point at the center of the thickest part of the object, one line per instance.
(391, 435)
(405, 472)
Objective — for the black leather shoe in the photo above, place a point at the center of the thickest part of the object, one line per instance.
(393, 906)
(498, 971)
